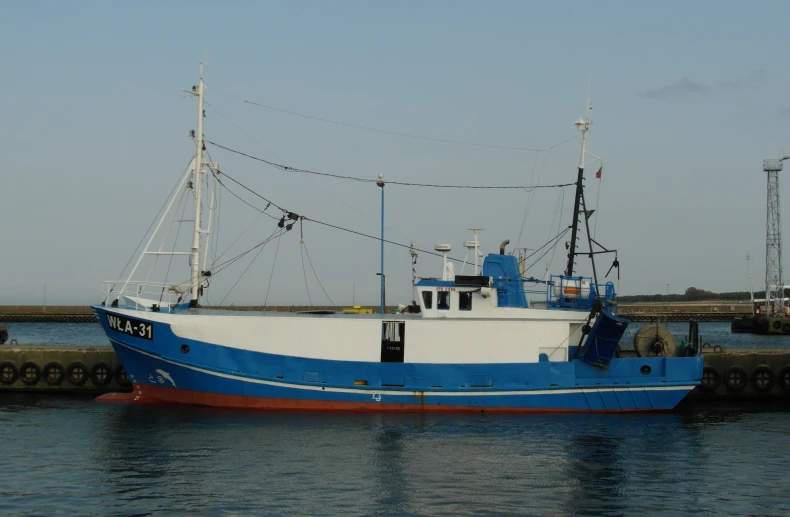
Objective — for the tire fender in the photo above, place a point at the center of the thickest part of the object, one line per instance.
(736, 378)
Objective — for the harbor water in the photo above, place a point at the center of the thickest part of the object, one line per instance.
(66, 455)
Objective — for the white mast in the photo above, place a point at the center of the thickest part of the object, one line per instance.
(475, 245)
(197, 183)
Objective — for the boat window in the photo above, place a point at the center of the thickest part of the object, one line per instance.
(444, 300)
(427, 299)
(465, 301)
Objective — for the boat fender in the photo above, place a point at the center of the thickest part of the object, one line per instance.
(8, 373)
(736, 378)
(101, 374)
(711, 379)
(763, 378)
(784, 378)
(53, 373)
(718, 348)
(777, 325)
(786, 328)
(121, 377)
(29, 373)
(77, 374)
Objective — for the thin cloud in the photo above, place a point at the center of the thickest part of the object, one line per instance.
(683, 88)
(784, 112)
(742, 83)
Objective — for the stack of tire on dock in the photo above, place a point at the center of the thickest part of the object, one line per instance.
(731, 374)
(741, 374)
(61, 368)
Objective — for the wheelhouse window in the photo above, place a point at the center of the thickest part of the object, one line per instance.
(427, 299)
(443, 302)
(465, 301)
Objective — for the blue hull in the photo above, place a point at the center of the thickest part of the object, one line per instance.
(210, 374)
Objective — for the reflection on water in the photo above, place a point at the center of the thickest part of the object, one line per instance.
(61, 454)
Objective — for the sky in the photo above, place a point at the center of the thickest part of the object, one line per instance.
(688, 99)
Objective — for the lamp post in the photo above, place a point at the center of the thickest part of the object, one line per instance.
(45, 297)
(380, 183)
(383, 291)
(666, 300)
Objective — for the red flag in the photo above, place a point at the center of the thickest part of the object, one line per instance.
(598, 174)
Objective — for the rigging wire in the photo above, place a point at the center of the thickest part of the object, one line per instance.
(526, 208)
(529, 188)
(323, 223)
(224, 265)
(242, 274)
(378, 238)
(303, 175)
(559, 224)
(175, 241)
(156, 217)
(531, 195)
(395, 133)
(271, 276)
(316, 276)
(546, 252)
(556, 237)
(301, 254)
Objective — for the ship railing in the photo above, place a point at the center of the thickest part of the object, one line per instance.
(138, 295)
(578, 293)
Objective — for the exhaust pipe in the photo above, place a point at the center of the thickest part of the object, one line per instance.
(502, 246)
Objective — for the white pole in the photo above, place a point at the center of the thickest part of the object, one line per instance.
(156, 230)
(198, 180)
(212, 196)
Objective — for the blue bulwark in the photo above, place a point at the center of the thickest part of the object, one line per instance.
(507, 280)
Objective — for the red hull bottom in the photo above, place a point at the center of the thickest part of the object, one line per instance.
(148, 394)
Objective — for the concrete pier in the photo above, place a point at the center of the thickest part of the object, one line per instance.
(94, 369)
(744, 375)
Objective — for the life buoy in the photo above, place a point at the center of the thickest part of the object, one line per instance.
(718, 348)
(711, 379)
(101, 374)
(786, 328)
(763, 378)
(77, 374)
(29, 373)
(736, 378)
(121, 377)
(776, 324)
(53, 374)
(8, 373)
(783, 379)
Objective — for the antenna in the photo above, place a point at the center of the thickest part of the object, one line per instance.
(475, 245)
(444, 248)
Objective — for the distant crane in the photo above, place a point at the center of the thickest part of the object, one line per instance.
(774, 286)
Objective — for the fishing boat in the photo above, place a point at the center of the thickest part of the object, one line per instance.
(473, 343)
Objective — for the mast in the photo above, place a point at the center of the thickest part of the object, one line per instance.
(197, 183)
(583, 125)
